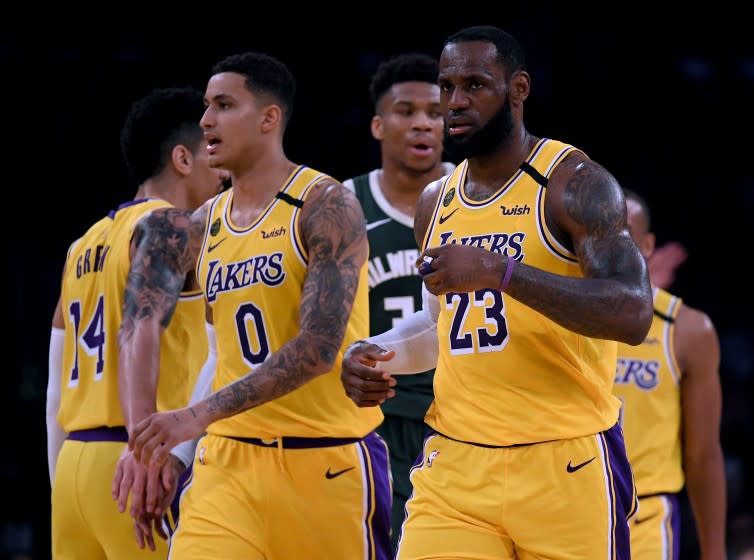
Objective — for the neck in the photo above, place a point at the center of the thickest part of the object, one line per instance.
(504, 162)
(402, 187)
(169, 191)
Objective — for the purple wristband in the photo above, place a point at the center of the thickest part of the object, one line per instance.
(508, 273)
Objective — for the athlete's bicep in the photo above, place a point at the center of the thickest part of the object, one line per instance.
(334, 231)
(162, 255)
(588, 206)
(424, 210)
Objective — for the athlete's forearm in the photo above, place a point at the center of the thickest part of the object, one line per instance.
(138, 370)
(297, 362)
(595, 307)
(705, 482)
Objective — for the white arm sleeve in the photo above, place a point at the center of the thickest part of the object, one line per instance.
(203, 387)
(55, 433)
(414, 339)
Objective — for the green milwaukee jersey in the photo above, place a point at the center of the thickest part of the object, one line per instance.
(394, 285)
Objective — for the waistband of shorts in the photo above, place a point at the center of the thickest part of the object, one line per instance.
(103, 433)
(296, 442)
(486, 445)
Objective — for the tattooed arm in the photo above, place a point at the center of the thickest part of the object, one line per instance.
(163, 251)
(585, 209)
(333, 228)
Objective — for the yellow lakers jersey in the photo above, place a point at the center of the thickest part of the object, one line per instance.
(507, 374)
(183, 344)
(252, 278)
(647, 381)
(82, 384)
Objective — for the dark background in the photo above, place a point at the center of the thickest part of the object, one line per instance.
(664, 105)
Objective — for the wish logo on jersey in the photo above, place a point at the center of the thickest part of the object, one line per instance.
(509, 244)
(641, 372)
(267, 269)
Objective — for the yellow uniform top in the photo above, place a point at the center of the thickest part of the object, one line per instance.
(647, 381)
(84, 387)
(252, 278)
(91, 400)
(507, 374)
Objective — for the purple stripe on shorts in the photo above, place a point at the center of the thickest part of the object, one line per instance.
(622, 481)
(172, 524)
(675, 524)
(380, 522)
(100, 434)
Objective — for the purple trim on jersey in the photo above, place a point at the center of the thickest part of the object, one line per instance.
(297, 442)
(103, 433)
(377, 524)
(622, 485)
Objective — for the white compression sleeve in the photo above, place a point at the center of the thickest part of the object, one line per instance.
(203, 387)
(414, 339)
(55, 433)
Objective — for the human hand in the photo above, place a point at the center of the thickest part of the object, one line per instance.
(364, 383)
(145, 528)
(153, 438)
(664, 261)
(460, 268)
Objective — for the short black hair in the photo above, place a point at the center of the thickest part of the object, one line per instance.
(155, 124)
(409, 67)
(636, 197)
(264, 75)
(510, 53)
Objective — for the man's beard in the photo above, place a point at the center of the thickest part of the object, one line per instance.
(484, 141)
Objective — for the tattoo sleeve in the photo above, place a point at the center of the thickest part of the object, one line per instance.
(332, 224)
(163, 250)
(613, 300)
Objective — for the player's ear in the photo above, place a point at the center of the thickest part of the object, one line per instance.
(519, 87)
(271, 117)
(378, 132)
(182, 159)
(648, 244)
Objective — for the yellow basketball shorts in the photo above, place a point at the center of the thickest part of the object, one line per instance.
(556, 500)
(85, 518)
(313, 498)
(656, 528)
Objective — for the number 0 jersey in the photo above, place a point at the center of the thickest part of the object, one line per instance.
(92, 400)
(507, 374)
(647, 381)
(253, 278)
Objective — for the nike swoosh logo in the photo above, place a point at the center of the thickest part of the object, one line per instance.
(637, 521)
(574, 468)
(213, 247)
(378, 223)
(329, 474)
(444, 219)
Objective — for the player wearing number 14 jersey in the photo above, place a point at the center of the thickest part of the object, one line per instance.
(165, 151)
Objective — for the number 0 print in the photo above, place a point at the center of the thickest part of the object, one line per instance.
(255, 350)
(492, 338)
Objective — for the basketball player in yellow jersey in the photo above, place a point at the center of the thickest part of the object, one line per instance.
(165, 150)
(289, 466)
(670, 389)
(533, 277)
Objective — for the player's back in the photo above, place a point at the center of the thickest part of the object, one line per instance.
(507, 374)
(84, 388)
(253, 279)
(647, 382)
